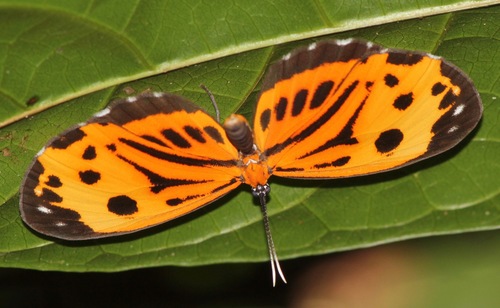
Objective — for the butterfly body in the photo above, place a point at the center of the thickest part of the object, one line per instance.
(333, 109)
(251, 161)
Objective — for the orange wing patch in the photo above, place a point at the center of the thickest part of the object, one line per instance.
(361, 112)
(133, 166)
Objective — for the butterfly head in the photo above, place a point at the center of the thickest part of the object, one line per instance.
(260, 191)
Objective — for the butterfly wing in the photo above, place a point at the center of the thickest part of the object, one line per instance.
(347, 108)
(139, 163)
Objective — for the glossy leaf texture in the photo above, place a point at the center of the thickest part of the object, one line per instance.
(95, 49)
(53, 51)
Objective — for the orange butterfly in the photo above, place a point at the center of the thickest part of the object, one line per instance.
(330, 110)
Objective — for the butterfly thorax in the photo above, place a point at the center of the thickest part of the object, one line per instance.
(252, 163)
(254, 170)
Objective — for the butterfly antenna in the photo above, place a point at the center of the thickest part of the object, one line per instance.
(212, 99)
(261, 192)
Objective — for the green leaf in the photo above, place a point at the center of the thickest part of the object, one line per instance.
(53, 51)
(58, 50)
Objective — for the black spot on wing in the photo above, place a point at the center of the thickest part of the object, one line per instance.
(89, 177)
(214, 134)
(438, 88)
(339, 162)
(280, 108)
(53, 181)
(299, 102)
(176, 138)
(67, 139)
(111, 147)
(391, 80)
(389, 140)
(404, 58)
(194, 133)
(403, 101)
(321, 94)
(174, 201)
(89, 153)
(265, 118)
(122, 205)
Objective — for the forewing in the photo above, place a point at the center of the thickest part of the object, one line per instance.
(347, 108)
(139, 163)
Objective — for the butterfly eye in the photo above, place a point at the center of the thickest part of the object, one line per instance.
(261, 191)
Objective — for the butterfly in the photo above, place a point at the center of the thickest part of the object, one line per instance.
(333, 109)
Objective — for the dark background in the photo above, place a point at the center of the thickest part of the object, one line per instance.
(443, 271)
